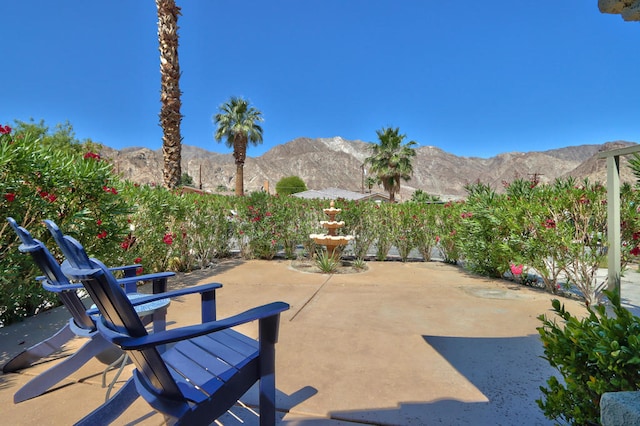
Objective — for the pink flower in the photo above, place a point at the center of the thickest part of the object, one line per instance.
(516, 269)
(10, 196)
(168, 239)
(437, 239)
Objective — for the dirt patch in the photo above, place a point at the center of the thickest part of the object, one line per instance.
(346, 267)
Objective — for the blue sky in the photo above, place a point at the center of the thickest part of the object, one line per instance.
(474, 78)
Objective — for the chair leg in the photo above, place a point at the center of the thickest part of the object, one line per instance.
(268, 336)
(41, 350)
(113, 408)
(40, 384)
(267, 400)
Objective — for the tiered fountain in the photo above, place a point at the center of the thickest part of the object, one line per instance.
(331, 240)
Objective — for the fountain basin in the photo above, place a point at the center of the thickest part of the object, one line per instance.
(332, 224)
(331, 210)
(333, 240)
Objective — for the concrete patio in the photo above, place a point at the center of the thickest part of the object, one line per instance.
(400, 344)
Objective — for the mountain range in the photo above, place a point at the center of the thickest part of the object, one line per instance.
(338, 163)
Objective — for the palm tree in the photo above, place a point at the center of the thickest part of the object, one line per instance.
(237, 121)
(170, 116)
(391, 160)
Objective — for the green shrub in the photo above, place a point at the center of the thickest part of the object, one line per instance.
(448, 237)
(485, 245)
(359, 220)
(50, 175)
(594, 355)
(290, 185)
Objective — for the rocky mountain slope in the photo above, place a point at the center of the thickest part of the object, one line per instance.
(335, 162)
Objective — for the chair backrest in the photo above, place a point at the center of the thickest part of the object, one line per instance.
(80, 259)
(118, 314)
(53, 274)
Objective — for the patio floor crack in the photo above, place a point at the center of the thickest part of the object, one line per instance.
(311, 298)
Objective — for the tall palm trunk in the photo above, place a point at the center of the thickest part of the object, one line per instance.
(239, 179)
(170, 116)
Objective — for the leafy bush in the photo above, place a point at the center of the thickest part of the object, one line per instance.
(594, 355)
(447, 230)
(485, 245)
(359, 220)
(290, 185)
(45, 175)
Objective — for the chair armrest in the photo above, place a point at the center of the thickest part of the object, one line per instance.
(127, 281)
(189, 332)
(129, 270)
(204, 288)
(59, 288)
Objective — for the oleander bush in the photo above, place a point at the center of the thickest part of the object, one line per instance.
(49, 175)
(595, 354)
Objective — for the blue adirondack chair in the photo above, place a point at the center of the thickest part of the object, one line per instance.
(208, 368)
(81, 324)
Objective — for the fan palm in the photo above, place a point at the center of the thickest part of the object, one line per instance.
(237, 123)
(170, 116)
(634, 164)
(391, 159)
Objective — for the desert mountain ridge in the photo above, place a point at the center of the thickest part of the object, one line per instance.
(338, 163)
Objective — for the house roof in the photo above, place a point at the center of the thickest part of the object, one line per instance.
(335, 193)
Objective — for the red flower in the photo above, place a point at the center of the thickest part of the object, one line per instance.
(102, 234)
(5, 130)
(636, 235)
(268, 214)
(437, 239)
(51, 198)
(635, 251)
(168, 239)
(139, 270)
(125, 244)
(10, 196)
(98, 222)
(137, 260)
(111, 190)
(92, 155)
(549, 224)
(43, 194)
